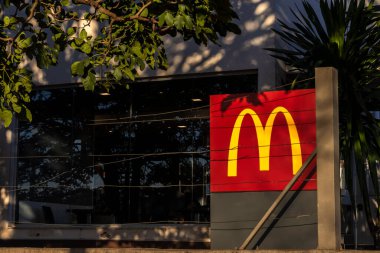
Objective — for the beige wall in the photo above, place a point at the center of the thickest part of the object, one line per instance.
(237, 52)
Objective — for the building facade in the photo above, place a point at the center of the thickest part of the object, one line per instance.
(130, 168)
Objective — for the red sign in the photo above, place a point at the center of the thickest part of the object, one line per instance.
(258, 142)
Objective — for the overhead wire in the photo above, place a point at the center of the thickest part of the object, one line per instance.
(143, 155)
(153, 186)
(152, 154)
(273, 218)
(199, 107)
(133, 118)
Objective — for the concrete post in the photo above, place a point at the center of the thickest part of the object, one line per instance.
(8, 166)
(328, 173)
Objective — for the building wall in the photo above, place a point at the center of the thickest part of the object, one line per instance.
(235, 214)
(236, 52)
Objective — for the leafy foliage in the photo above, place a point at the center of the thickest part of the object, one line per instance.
(130, 39)
(346, 36)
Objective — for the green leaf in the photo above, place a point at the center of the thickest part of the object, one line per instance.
(25, 43)
(141, 63)
(103, 16)
(136, 49)
(6, 116)
(13, 20)
(77, 68)
(179, 22)
(188, 22)
(65, 2)
(201, 19)
(78, 41)
(25, 97)
(83, 34)
(16, 107)
(86, 48)
(117, 74)
(169, 19)
(71, 31)
(27, 85)
(145, 13)
(89, 82)
(6, 21)
(57, 36)
(7, 90)
(182, 7)
(28, 114)
(161, 18)
(129, 73)
(123, 47)
(14, 99)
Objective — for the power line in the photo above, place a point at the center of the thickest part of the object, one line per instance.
(143, 155)
(133, 118)
(257, 182)
(165, 153)
(202, 107)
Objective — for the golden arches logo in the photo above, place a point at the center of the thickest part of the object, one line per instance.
(264, 139)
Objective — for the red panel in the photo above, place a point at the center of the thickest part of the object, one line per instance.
(250, 172)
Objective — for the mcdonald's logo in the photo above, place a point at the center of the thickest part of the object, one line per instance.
(260, 146)
(264, 139)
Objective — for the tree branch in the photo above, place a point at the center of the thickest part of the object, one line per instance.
(100, 8)
(114, 16)
(141, 10)
(32, 11)
(6, 39)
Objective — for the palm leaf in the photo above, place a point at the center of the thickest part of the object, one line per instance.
(346, 36)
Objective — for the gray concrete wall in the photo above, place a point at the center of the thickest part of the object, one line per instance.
(186, 233)
(293, 225)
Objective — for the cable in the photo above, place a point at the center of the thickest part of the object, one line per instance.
(99, 122)
(199, 107)
(296, 82)
(159, 154)
(23, 188)
(154, 154)
(71, 225)
(142, 155)
(189, 109)
(274, 218)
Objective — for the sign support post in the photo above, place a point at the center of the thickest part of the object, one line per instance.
(328, 172)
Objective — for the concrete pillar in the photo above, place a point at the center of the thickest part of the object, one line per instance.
(8, 169)
(328, 173)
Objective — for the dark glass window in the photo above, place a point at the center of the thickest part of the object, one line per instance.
(138, 155)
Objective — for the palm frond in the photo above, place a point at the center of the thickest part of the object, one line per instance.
(346, 36)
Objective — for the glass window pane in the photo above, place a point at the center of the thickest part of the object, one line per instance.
(138, 155)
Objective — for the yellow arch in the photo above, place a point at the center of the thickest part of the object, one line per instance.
(263, 139)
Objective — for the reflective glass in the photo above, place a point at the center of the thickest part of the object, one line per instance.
(138, 155)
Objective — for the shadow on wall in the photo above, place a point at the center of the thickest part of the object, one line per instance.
(183, 236)
(235, 52)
